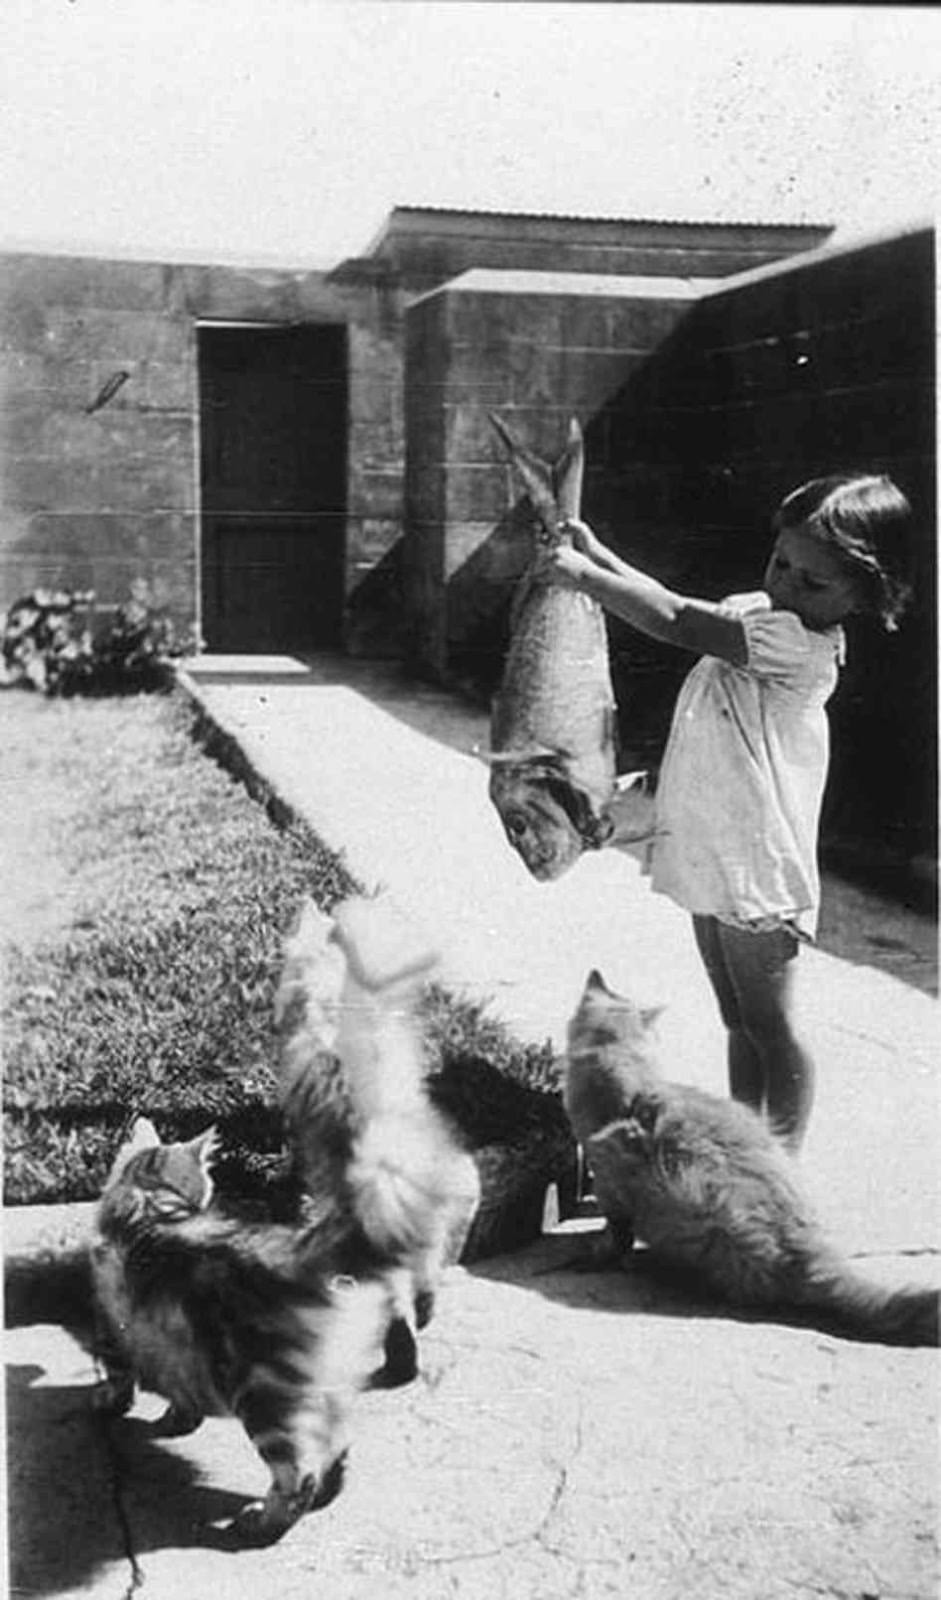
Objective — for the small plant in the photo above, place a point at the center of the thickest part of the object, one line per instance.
(46, 640)
(134, 651)
(49, 642)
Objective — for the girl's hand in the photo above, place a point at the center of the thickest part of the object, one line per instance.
(569, 567)
(584, 540)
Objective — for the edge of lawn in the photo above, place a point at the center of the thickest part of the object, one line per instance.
(502, 1095)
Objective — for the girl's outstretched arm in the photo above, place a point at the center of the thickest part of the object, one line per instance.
(645, 603)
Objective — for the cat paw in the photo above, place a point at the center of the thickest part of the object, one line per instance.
(320, 1491)
(113, 1397)
(256, 1525)
(401, 1351)
(175, 1422)
(424, 1307)
(264, 1522)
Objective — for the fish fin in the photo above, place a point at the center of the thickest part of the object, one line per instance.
(537, 478)
(643, 780)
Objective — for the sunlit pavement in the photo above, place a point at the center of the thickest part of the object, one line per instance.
(571, 1435)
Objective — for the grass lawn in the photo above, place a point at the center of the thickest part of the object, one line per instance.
(147, 896)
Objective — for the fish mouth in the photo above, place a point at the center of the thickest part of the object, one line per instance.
(545, 844)
(546, 871)
(593, 829)
(546, 858)
(549, 820)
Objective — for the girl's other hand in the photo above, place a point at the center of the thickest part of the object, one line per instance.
(581, 535)
(583, 539)
(569, 567)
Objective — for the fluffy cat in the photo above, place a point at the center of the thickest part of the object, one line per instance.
(358, 1118)
(701, 1181)
(226, 1318)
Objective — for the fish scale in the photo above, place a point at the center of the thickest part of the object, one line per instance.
(553, 696)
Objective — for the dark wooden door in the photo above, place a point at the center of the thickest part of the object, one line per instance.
(273, 409)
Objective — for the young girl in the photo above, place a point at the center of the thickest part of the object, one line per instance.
(741, 784)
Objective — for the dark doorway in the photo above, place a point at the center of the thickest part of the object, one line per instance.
(273, 409)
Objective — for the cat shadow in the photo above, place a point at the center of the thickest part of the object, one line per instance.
(557, 1266)
(86, 1492)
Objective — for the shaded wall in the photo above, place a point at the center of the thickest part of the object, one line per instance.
(537, 348)
(98, 498)
(822, 364)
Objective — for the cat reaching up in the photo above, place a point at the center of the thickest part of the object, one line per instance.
(703, 1183)
(357, 1114)
(226, 1318)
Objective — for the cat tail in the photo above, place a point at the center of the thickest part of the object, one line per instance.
(408, 1180)
(865, 1310)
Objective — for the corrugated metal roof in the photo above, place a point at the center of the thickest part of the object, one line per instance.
(617, 221)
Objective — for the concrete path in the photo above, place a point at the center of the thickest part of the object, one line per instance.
(385, 774)
(571, 1436)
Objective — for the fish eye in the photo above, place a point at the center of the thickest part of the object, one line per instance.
(515, 824)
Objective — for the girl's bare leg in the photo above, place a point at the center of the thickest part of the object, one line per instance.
(746, 1068)
(762, 970)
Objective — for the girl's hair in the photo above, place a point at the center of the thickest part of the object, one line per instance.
(866, 518)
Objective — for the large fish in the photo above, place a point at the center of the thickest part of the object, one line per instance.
(552, 731)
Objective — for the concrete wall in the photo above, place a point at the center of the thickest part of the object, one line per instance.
(99, 499)
(538, 348)
(821, 364)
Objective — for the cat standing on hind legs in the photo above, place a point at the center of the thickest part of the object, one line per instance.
(703, 1183)
(356, 1108)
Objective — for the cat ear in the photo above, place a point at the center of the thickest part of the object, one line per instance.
(143, 1135)
(206, 1144)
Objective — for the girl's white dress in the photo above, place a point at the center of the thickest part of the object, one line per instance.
(741, 784)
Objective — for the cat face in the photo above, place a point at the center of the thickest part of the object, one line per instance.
(627, 1143)
(312, 979)
(172, 1178)
(605, 1018)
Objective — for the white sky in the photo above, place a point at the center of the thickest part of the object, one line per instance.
(286, 130)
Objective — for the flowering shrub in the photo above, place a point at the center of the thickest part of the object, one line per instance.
(47, 642)
(50, 642)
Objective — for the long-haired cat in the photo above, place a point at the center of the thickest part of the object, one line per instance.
(357, 1113)
(703, 1183)
(228, 1318)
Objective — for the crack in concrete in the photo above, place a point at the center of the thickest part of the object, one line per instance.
(535, 1535)
(115, 1474)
